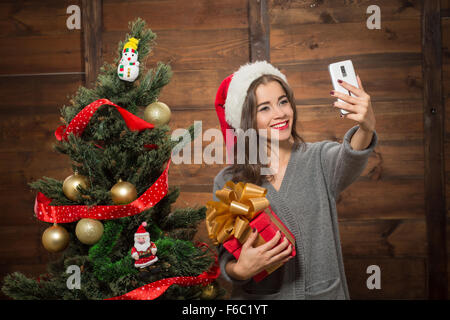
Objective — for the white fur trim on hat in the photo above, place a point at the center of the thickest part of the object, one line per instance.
(240, 82)
(139, 235)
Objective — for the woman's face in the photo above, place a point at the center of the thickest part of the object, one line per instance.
(273, 110)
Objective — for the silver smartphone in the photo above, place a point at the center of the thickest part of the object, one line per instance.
(343, 70)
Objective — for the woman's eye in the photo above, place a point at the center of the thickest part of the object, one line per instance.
(263, 108)
(284, 101)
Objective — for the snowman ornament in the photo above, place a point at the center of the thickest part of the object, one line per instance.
(128, 68)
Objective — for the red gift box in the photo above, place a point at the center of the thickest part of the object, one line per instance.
(267, 224)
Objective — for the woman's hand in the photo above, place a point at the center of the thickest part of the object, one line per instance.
(253, 260)
(359, 105)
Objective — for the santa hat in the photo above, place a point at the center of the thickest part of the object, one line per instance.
(141, 232)
(233, 90)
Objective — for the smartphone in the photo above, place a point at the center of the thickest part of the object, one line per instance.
(343, 70)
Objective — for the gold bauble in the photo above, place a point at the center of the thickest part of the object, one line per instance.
(123, 192)
(89, 231)
(71, 183)
(210, 291)
(157, 113)
(55, 238)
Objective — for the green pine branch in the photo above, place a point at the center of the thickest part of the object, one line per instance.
(106, 152)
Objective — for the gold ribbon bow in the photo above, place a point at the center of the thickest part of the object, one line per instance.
(238, 205)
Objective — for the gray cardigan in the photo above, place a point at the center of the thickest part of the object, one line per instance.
(306, 204)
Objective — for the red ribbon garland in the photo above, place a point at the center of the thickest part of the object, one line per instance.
(155, 289)
(64, 214)
(79, 123)
(81, 120)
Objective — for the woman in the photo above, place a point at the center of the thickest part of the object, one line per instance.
(302, 192)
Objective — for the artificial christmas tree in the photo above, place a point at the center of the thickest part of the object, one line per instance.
(109, 145)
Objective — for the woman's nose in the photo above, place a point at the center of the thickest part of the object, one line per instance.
(279, 112)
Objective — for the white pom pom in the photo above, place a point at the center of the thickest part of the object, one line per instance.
(144, 224)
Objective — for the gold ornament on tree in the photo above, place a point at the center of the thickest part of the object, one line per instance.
(55, 238)
(123, 192)
(71, 183)
(210, 291)
(157, 113)
(89, 231)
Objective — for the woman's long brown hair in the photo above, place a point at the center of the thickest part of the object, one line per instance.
(248, 172)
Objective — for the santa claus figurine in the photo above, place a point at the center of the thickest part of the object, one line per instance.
(144, 251)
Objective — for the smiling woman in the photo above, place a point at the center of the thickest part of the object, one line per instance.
(268, 105)
(274, 113)
(302, 192)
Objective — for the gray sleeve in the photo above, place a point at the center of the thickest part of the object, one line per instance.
(219, 182)
(341, 164)
(224, 255)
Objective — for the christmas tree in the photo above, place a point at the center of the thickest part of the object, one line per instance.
(118, 159)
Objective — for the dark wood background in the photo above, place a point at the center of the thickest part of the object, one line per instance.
(386, 217)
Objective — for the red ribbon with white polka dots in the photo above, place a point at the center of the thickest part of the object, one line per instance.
(64, 214)
(155, 289)
(81, 120)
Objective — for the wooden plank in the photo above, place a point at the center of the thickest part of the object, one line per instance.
(318, 41)
(445, 9)
(433, 138)
(445, 28)
(32, 133)
(21, 208)
(41, 40)
(201, 85)
(187, 200)
(447, 160)
(92, 39)
(22, 249)
(28, 17)
(37, 94)
(191, 36)
(384, 238)
(396, 121)
(176, 15)
(28, 123)
(334, 12)
(36, 54)
(259, 30)
(190, 50)
(391, 199)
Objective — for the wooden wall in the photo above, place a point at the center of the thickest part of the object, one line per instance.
(382, 215)
(445, 28)
(42, 65)
(382, 219)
